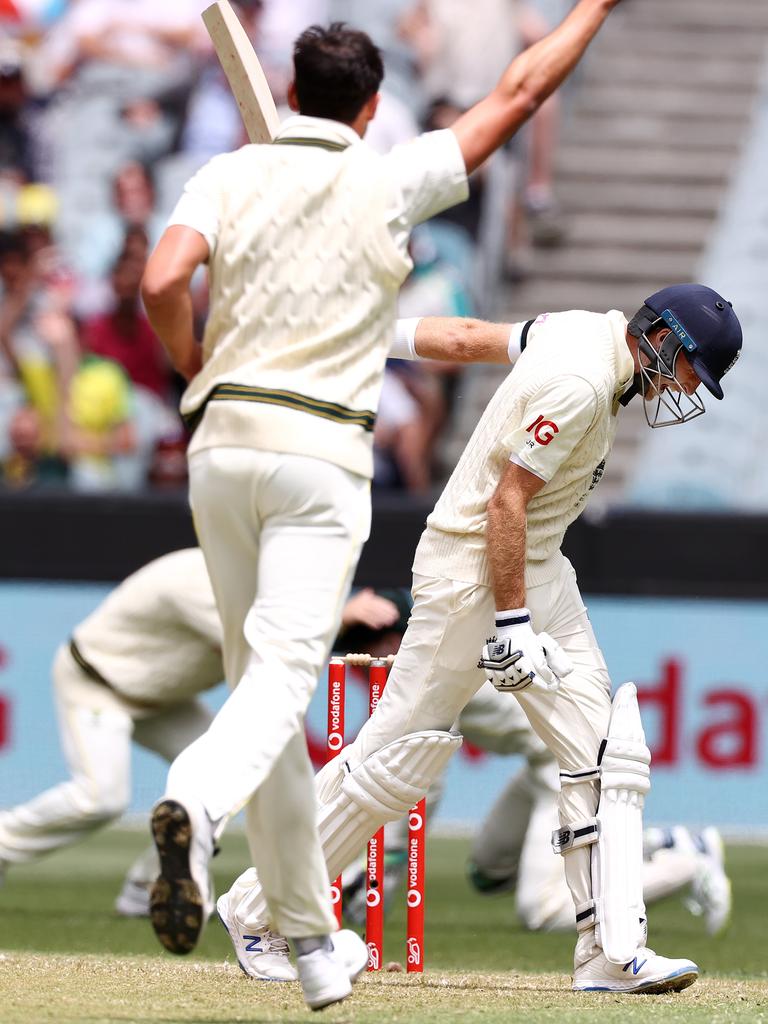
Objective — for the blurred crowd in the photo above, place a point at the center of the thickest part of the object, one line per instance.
(107, 107)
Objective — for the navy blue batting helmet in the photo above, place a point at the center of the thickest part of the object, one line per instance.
(705, 325)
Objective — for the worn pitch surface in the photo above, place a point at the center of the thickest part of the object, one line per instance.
(67, 957)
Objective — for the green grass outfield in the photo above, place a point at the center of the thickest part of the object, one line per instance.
(66, 956)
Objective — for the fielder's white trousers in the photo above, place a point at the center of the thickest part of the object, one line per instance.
(435, 675)
(96, 730)
(281, 536)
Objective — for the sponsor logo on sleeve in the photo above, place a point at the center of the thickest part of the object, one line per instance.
(543, 430)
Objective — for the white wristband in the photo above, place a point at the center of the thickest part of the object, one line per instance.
(512, 617)
(513, 345)
(404, 345)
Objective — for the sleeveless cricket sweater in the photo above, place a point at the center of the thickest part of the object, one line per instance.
(304, 283)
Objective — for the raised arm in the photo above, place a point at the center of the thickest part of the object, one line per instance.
(527, 82)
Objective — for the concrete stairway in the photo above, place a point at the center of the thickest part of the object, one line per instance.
(659, 113)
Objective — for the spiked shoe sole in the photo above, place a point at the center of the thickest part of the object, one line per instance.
(175, 902)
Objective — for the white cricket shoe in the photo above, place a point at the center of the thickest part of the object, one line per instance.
(711, 895)
(327, 976)
(646, 972)
(133, 899)
(181, 899)
(260, 954)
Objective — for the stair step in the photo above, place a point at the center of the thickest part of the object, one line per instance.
(728, 73)
(669, 102)
(656, 163)
(728, 17)
(619, 230)
(702, 40)
(536, 297)
(639, 197)
(635, 129)
(556, 267)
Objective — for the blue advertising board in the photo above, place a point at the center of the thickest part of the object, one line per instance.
(701, 668)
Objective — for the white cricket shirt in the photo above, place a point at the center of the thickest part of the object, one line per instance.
(308, 242)
(555, 415)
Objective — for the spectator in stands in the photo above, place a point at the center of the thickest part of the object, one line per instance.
(400, 438)
(132, 209)
(438, 286)
(127, 67)
(381, 20)
(123, 332)
(37, 336)
(279, 24)
(39, 349)
(18, 149)
(446, 43)
(66, 417)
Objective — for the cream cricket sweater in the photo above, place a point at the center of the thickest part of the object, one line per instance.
(308, 249)
(555, 414)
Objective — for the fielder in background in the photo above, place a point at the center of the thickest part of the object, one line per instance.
(133, 670)
(306, 240)
(490, 554)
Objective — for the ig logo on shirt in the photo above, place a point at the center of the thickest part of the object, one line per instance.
(543, 430)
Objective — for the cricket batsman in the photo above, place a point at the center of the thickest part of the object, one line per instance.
(489, 562)
(306, 242)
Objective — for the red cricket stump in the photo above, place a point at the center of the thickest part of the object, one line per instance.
(378, 669)
(415, 892)
(337, 680)
(374, 894)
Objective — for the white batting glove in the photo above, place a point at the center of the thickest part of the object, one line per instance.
(517, 658)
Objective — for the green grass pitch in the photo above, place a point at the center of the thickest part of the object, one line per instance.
(66, 957)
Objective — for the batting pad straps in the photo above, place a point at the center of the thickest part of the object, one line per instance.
(582, 775)
(578, 833)
(585, 915)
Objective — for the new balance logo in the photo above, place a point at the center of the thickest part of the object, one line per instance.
(253, 945)
(635, 965)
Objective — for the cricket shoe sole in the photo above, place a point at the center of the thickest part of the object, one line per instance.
(181, 899)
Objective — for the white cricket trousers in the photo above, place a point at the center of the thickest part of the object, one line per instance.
(435, 674)
(281, 536)
(96, 730)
